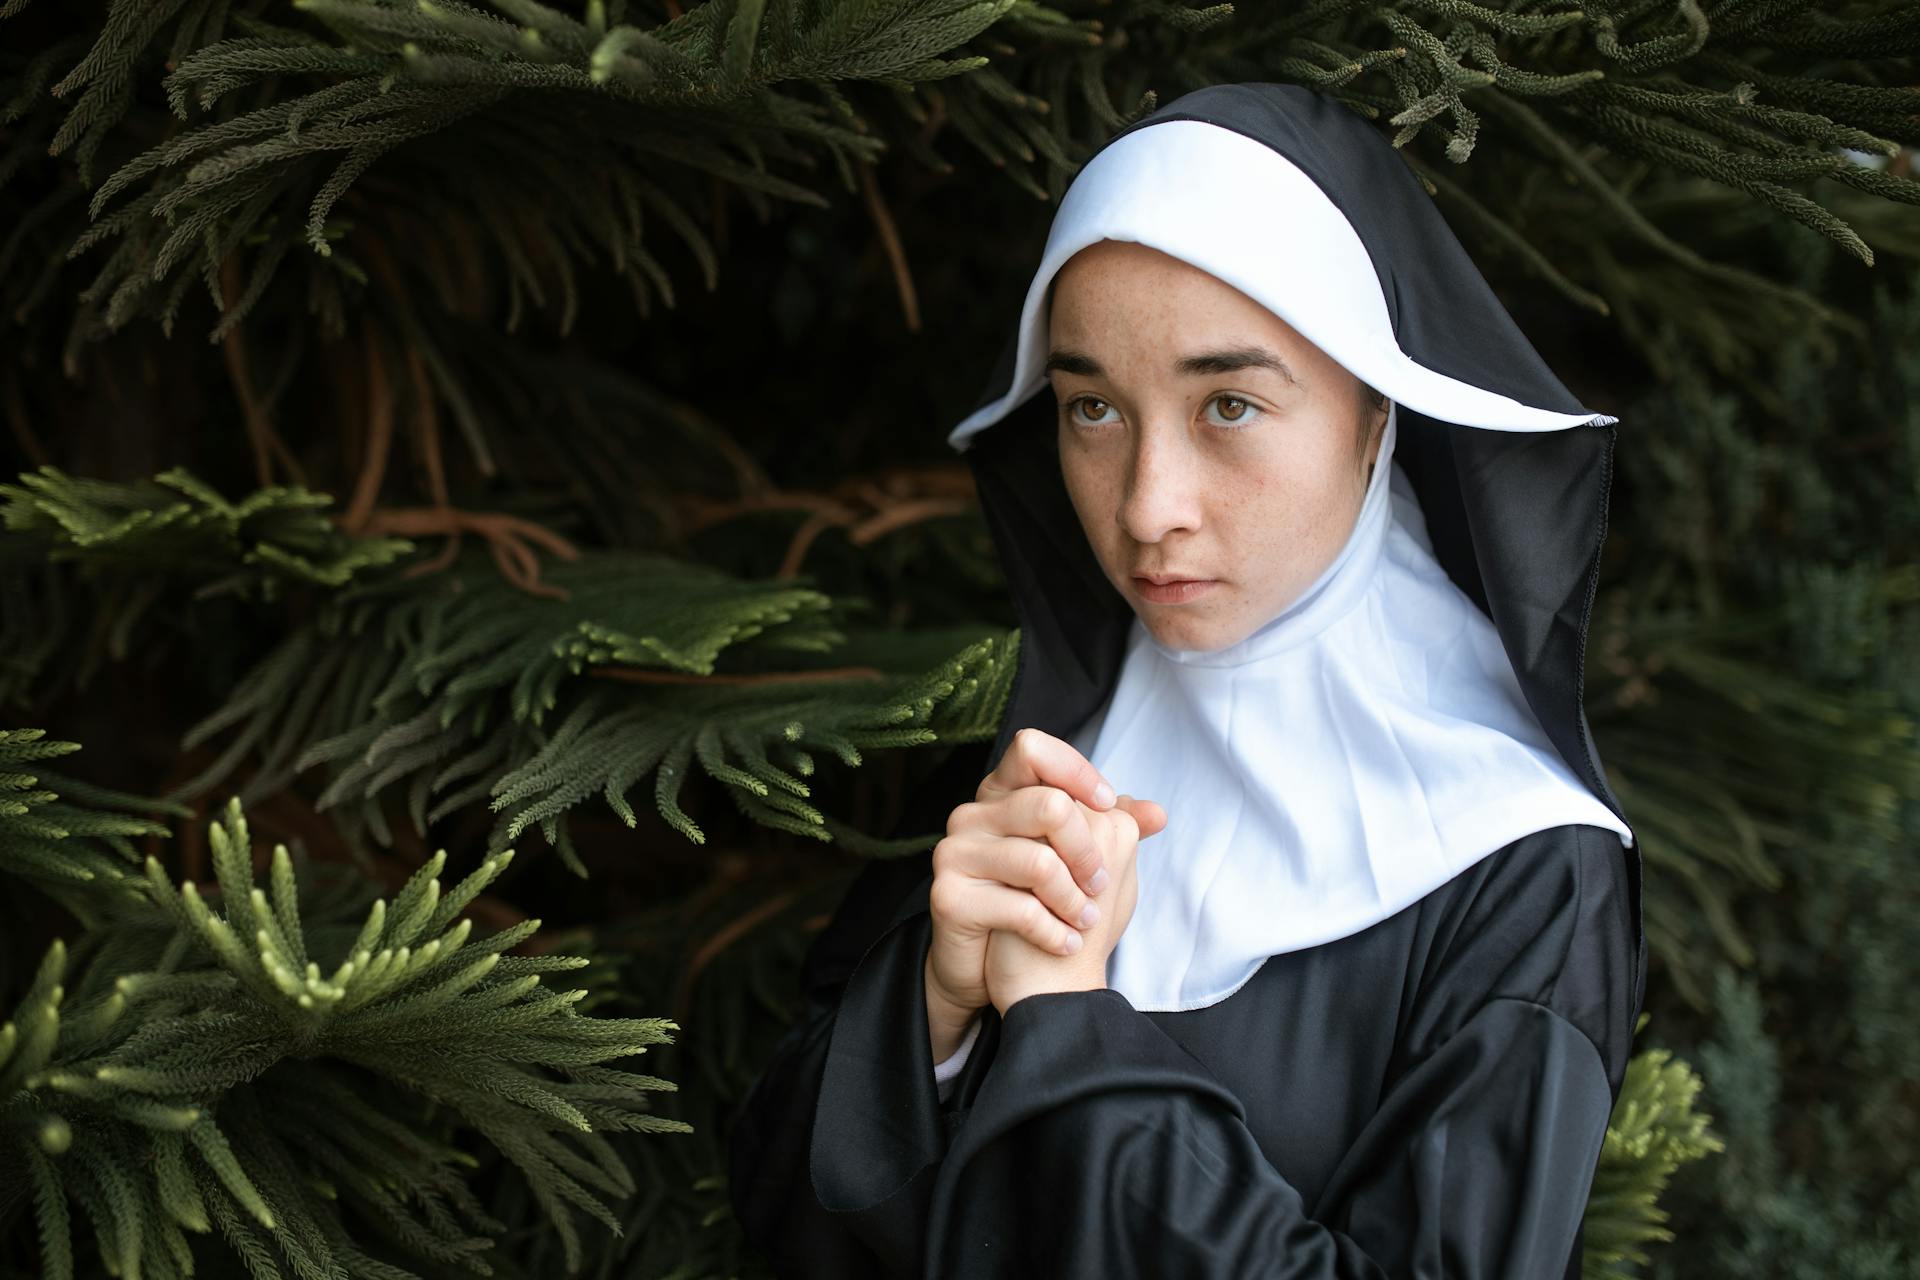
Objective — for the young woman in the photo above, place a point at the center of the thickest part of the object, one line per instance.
(1290, 926)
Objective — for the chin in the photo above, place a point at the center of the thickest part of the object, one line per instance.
(1195, 634)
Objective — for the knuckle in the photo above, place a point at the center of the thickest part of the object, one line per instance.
(940, 903)
(964, 815)
(1040, 862)
(1055, 806)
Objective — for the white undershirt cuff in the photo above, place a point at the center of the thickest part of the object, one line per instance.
(945, 1073)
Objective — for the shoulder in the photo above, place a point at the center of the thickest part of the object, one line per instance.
(1545, 919)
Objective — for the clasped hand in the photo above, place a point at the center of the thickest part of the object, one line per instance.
(1033, 884)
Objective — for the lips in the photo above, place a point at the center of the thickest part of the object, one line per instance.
(1167, 589)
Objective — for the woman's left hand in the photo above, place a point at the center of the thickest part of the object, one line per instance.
(1015, 968)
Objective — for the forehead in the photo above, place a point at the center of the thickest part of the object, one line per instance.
(1115, 294)
(1107, 262)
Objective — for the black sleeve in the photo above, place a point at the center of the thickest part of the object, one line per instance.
(832, 1154)
(1097, 1146)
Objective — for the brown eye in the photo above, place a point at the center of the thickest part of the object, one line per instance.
(1243, 415)
(1081, 406)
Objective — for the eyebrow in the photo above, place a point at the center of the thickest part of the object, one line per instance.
(1201, 363)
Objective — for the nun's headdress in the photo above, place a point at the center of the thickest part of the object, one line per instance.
(1416, 708)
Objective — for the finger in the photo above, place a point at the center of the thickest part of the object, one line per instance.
(1031, 865)
(1036, 866)
(1050, 814)
(982, 853)
(1152, 817)
(1037, 758)
(999, 906)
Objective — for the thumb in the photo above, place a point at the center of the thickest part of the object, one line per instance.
(1151, 818)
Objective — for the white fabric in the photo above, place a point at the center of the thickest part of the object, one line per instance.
(1344, 760)
(945, 1073)
(1241, 211)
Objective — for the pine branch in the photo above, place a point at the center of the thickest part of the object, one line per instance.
(471, 692)
(1653, 1131)
(1716, 754)
(259, 1068)
(175, 524)
(755, 98)
(702, 98)
(80, 855)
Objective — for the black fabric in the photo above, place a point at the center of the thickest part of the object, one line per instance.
(1424, 1098)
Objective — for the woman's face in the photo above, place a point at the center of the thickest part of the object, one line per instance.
(1201, 439)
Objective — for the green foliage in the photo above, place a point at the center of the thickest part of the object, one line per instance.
(79, 856)
(1846, 1208)
(76, 550)
(696, 94)
(175, 524)
(1716, 753)
(442, 698)
(1776, 553)
(293, 1075)
(1653, 1131)
(755, 93)
(1748, 669)
(743, 998)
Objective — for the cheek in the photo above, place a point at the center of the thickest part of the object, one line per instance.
(1279, 515)
(1093, 500)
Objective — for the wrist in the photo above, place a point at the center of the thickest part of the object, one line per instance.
(1052, 984)
(947, 1018)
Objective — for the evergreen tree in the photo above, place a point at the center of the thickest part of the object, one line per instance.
(473, 526)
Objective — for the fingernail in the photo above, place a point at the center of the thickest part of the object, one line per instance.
(1103, 796)
(1099, 881)
(1073, 943)
(1090, 916)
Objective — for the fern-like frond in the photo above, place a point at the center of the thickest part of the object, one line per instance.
(475, 692)
(247, 1066)
(80, 854)
(1653, 1131)
(177, 524)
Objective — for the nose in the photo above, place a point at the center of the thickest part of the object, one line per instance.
(1163, 485)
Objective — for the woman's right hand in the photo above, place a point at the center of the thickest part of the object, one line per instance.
(1021, 856)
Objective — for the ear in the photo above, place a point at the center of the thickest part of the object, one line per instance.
(1376, 433)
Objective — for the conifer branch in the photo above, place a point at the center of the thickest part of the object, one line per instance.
(1714, 754)
(175, 523)
(80, 855)
(1653, 1131)
(214, 1072)
(472, 692)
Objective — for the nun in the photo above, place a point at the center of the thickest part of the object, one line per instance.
(1289, 926)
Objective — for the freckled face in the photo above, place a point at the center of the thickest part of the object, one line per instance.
(1187, 449)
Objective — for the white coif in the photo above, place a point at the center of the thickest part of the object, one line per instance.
(1244, 213)
(1347, 758)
